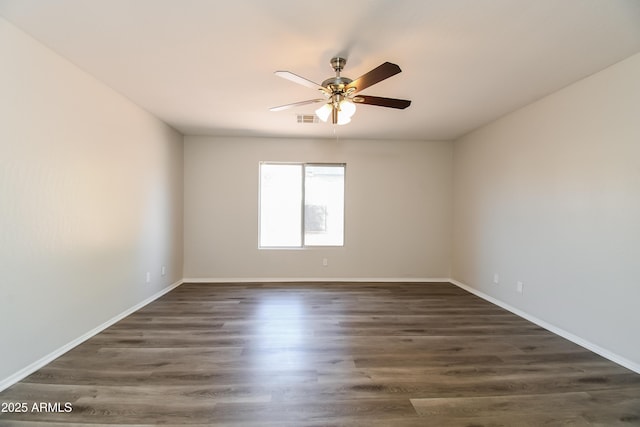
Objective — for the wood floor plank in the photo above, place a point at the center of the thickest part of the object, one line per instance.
(327, 354)
(528, 410)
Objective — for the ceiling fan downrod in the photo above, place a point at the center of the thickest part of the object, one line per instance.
(337, 84)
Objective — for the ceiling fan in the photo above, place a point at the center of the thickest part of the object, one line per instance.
(341, 94)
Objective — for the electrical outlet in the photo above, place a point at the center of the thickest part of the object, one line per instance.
(520, 287)
(325, 262)
(496, 279)
(148, 278)
(163, 270)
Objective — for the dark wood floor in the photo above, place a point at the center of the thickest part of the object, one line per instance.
(328, 354)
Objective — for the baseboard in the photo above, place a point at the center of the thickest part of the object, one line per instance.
(622, 361)
(315, 279)
(28, 370)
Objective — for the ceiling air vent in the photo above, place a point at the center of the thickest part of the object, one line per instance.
(307, 118)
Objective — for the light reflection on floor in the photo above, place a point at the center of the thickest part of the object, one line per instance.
(281, 333)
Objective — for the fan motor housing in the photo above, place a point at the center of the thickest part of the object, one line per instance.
(336, 84)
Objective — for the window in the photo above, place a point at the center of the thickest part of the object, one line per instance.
(301, 205)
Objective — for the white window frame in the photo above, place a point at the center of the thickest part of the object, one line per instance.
(303, 165)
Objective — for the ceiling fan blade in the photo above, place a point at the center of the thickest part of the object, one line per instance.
(297, 104)
(382, 102)
(300, 80)
(374, 76)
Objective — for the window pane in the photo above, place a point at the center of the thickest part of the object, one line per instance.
(324, 205)
(280, 205)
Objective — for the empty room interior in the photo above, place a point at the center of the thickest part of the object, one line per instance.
(285, 213)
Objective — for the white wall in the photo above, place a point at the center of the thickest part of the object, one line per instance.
(550, 195)
(90, 200)
(397, 219)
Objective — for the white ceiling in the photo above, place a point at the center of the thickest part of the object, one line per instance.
(206, 67)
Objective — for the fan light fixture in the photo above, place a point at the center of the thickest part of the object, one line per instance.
(345, 109)
(339, 93)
